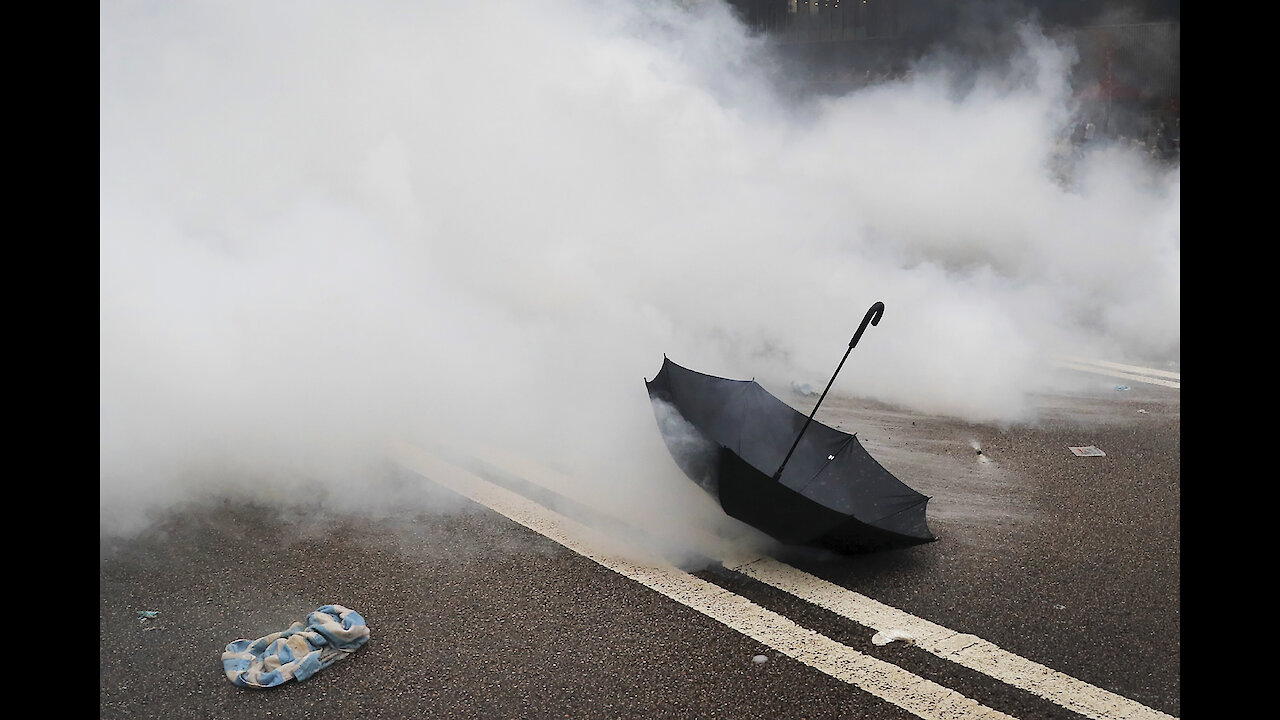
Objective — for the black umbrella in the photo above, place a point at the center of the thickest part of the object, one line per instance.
(797, 480)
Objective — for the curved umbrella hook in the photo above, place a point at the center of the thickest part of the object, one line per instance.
(873, 317)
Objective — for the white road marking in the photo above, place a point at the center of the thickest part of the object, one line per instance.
(1121, 366)
(921, 697)
(1125, 372)
(966, 650)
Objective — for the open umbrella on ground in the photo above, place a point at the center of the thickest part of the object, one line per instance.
(800, 481)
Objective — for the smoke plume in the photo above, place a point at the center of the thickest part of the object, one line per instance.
(323, 224)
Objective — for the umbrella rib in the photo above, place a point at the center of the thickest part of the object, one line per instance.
(921, 501)
(843, 446)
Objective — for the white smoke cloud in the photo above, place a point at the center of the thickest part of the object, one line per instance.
(325, 223)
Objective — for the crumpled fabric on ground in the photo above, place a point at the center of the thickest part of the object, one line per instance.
(328, 635)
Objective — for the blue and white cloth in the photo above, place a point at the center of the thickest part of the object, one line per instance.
(328, 635)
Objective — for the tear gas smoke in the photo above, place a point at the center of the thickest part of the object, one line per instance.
(324, 224)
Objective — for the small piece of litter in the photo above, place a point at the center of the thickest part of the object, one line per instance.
(1059, 607)
(802, 388)
(326, 636)
(760, 659)
(884, 637)
(145, 614)
(1086, 451)
(1144, 412)
(1122, 387)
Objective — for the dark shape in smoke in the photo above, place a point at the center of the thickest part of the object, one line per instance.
(697, 456)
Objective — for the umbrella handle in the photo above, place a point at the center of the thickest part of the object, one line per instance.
(872, 317)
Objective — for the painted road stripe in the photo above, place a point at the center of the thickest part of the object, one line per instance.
(966, 650)
(1126, 372)
(1138, 369)
(1122, 375)
(917, 695)
(963, 649)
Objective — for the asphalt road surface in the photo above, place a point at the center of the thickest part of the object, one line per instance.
(1063, 562)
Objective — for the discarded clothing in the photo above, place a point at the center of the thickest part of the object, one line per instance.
(328, 635)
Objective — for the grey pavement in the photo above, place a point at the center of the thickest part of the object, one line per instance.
(1071, 562)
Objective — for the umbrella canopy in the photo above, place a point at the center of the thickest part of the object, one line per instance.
(829, 490)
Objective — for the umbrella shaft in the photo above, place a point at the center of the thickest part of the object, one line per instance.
(830, 382)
